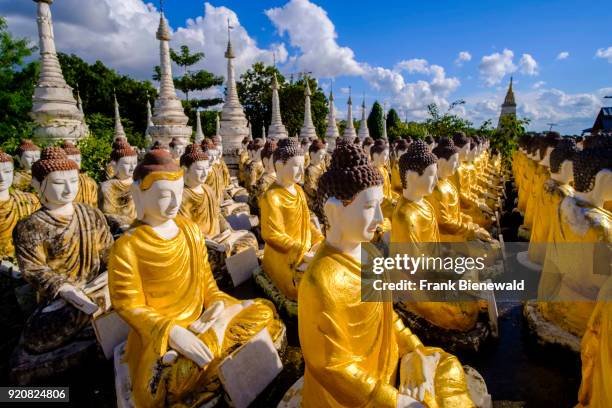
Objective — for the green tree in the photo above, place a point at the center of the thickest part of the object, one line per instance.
(291, 98)
(393, 119)
(402, 130)
(96, 149)
(375, 121)
(448, 123)
(505, 138)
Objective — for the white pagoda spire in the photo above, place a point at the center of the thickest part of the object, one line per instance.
(277, 129)
(331, 133)
(199, 135)
(263, 132)
(384, 134)
(54, 108)
(148, 139)
(250, 130)
(80, 102)
(217, 125)
(349, 130)
(119, 132)
(363, 125)
(308, 129)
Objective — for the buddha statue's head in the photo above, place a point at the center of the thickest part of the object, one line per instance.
(368, 142)
(418, 170)
(448, 157)
(27, 153)
(430, 141)
(533, 150)
(523, 142)
(400, 147)
(593, 172)
(316, 151)
(159, 145)
(379, 152)
(579, 142)
(6, 173)
(158, 188)
(217, 147)
(255, 149)
(196, 164)
(562, 159)
(357, 141)
(72, 152)
(124, 159)
(288, 162)
(547, 144)
(177, 147)
(462, 142)
(305, 144)
(266, 156)
(350, 195)
(244, 144)
(56, 178)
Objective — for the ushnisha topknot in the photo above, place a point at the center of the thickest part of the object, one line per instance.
(157, 160)
(119, 140)
(460, 139)
(256, 144)
(287, 148)
(159, 146)
(550, 140)
(268, 149)
(52, 159)
(122, 149)
(193, 153)
(70, 149)
(316, 145)
(26, 145)
(589, 161)
(566, 150)
(417, 158)
(344, 140)
(428, 139)
(379, 146)
(5, 157)
(208, 144)
(445, 148)
(401, 145)
(349, 173)
(368, 141)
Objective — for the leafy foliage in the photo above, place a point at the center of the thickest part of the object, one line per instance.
(445, 124)
(403, 130)
(96, 149)
(375, 121)
(505, 137)
(393, 119)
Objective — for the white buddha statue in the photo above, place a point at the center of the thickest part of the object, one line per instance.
(27, 153)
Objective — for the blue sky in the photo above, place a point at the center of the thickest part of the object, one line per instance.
(403, 53)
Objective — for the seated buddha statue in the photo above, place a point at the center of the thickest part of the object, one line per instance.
(286, 225)
(177, 148)
(352, 349)
(109, 169)
(396, 181)
(243, 158)
(181, 325)
(555, 189)
(573, 265)
(254, 167)
(315, 168)
(62, 250)
(88, 188)
(305, 145)
(200, 205)
(414, 222)
(470, 203)
(367, 144)
(379, 152)
(26, 154)
(266, 179)
(14, 205)
(115, 198)
(480, 187)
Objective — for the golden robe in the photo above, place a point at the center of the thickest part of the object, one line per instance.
(390, 197)
(242, 161)
(469, 201)
(288, 232)
(88, 191)
(156, 284)
(396, 179)
(262, 185)
(414, 222)
(22, 180)
(214, 180)
(311, 181)
(529, 169)
(352, 348)
(116, 202)
(541, 175)
(18, 206)
(453, 225)
(253, 171)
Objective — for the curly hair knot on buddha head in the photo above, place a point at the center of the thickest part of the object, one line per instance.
(590, 161)
(401, 145)
(268, 149)
(193, 153)
(5, 157)
(380, 145)
(52, 159)
(155, 160)
(417, 158)
(460, 139)
(160, 146)
(316, 145)
(256, 144)
(287, 148)
(445, 148)
(70, 149)
(550, 140)
(566, 150)
(429, 139)
(122, 149)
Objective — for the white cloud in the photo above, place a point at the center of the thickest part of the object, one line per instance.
(605, 53)
(528, 65)
(495, 66)
(463, 56)
(538, 84)
(563, 55)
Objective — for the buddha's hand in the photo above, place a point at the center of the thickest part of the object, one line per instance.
(482, 234)
(405, 401)
(417, 373)
(207, 318)
(190, 346)
(77, 298)
(485, 208)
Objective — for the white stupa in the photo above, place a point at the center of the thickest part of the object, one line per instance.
(349, 130)
(169, 119)
(308, 130)
(54, 108)
(384, 133)
(276, 130)
(119, 132)
(363, 125)
(263, 132)
(331, 133)
(199, 135)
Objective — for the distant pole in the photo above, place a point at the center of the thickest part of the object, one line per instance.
(551, 126)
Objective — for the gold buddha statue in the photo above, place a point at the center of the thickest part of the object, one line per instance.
(181, 325)
(27, 153)
(243, 158)
(200, 205)
(572, 274)
(14, 205)
(62, 250)
(177, 148)
(401, 146)
(379, 152)
(352, 349)
(115, 197)
(266, 179)
(88, 188)
(316, 167)
(305, 145)
(254, 167)
(286, 225)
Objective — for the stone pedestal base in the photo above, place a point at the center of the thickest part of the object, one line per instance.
(450, 340)
(548, 333)
(280, 301)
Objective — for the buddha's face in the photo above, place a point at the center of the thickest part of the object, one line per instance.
(58, 188)
(161, 202)
(422, 184)
(75, 158)
(177, 149)
(290, 172)
(380, 159)
(566, 171)
(6, 175)
(196, 173)
(358, 220)
(447, 168)
(124, 168)
(28, 158)
(317, 157)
